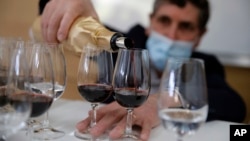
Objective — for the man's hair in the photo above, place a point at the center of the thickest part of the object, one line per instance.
(202, 5)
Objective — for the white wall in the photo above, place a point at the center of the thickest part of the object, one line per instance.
(228, 35)
(122, 14)
(229, 27)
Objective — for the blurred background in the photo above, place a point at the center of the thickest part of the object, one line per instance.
(228, 35)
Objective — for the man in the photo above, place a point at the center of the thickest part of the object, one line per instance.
(175, 30)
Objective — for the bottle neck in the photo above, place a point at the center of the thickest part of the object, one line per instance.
(118, 41)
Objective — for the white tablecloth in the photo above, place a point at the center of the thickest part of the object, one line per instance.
(64, 114)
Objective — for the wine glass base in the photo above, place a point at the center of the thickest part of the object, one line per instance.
(34, 124)
(47, 134)
(129, 137)
(87, 136)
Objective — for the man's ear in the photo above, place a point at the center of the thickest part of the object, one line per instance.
(151, 15)
(203, 32)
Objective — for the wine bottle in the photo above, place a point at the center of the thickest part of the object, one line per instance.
(88, 30)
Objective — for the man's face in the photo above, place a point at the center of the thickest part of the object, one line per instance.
(177, 23)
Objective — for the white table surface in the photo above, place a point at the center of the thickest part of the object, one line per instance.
(64, 114)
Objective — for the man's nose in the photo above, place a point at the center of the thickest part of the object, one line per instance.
(171, 32)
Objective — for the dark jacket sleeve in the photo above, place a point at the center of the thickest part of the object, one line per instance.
(42, 4)
(224, 102)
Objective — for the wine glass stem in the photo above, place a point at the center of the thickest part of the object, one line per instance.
(129, 121)
(93, 117)
(46, 120)
(180, 136)
(179, 139)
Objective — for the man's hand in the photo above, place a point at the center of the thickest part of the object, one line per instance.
(59, 15)
(112, 114)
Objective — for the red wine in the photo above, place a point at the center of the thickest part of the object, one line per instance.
(3, 97)
(3, 100)
(40, 103)
(130, 98)
(3, 80)
(95, 92)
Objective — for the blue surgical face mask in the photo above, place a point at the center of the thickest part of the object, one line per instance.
(161, 48)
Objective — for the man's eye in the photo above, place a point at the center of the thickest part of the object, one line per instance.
(164, 20)
(186, 27)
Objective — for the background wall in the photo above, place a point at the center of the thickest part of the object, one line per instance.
(228, 36)
(16, 17)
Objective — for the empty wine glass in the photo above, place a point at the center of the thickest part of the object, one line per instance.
(182, 101)
(94, 83)
(41, 78)
(15, 103)
(131, 84)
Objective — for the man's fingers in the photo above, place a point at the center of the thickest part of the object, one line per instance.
(119, 129)
(50, 20)
(53, 26)
(64, 26)
(107, 121)
(145, 132)
(46, 15)
(83, 125)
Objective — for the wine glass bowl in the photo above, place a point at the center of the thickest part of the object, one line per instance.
(58, 67)
(5, 56)
(15, 106)
(41, 79)
(131, 83)
(182, 102)
(130, 97)
(13, 115)
(94, 82)
(42, 84)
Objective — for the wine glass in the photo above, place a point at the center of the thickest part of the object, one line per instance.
(131, 84)
(94, 82)
(182, 101)
(15, 106)
(41, 78)
(59, 69)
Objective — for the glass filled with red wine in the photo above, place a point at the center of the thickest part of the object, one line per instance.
(5, 57)
(15, 106)
(94, 82)
(59, 68)
(42, 85)
(131, 84)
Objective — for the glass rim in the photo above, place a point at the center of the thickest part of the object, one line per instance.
(134, 50)
(185, 60)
